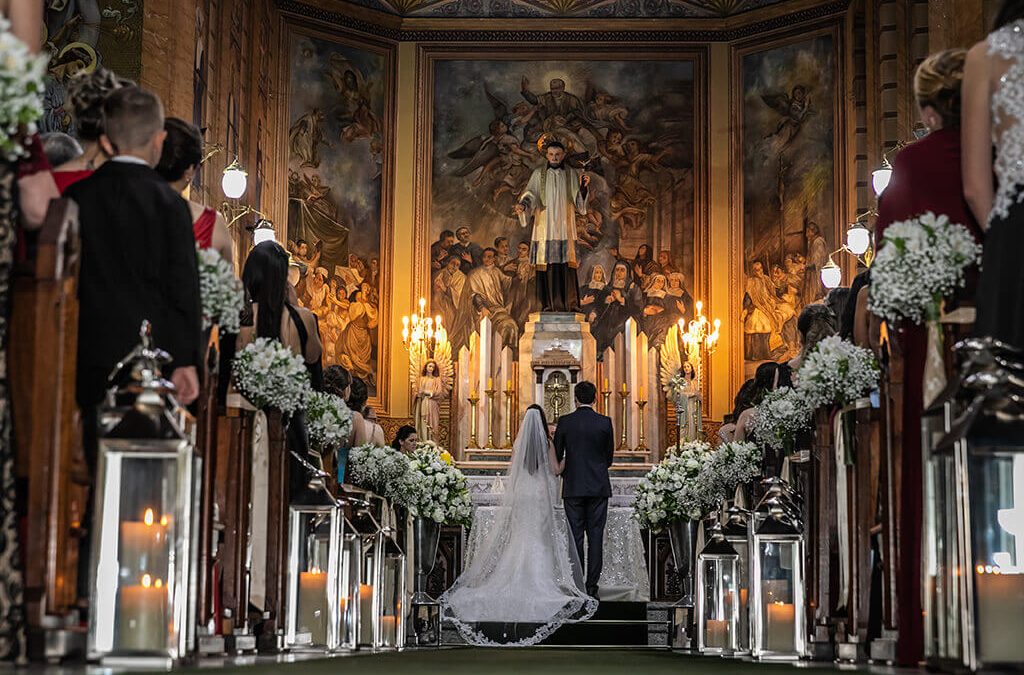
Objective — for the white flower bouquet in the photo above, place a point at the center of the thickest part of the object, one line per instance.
(677, 387)
(919, 262)
(677, 488)
(431, 446)
(836, 372)
(380, 469)
(220, 290)
(329, 421)
(780, 416)
(21, 92)
(436, 489)
(269, 375)
(733, 464)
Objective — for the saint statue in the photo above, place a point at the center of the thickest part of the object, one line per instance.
(555, 193)
(688, 406)
(431, 378)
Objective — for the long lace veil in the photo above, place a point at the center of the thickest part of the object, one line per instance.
(523, 579)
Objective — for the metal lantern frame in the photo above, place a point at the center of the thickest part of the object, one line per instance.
(778, 531)
(313, 608)
(349, 584)
(718, 596)
(735, 532)
(382, 570)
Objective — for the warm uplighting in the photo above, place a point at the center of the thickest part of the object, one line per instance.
(235, 180)
(831, 275)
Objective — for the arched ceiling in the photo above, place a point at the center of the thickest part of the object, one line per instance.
(539, 9)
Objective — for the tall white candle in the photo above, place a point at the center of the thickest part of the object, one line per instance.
(1000, 617)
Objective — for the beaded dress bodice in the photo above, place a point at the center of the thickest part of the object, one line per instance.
(1006, 46)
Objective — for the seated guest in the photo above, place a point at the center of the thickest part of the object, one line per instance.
(59, 147)
(182, 154)
(767, 377)
(406, 439)
(816, 323)
(87, 94)
(338, 381)
(365, 430)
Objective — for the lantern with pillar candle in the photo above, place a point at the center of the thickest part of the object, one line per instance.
(313, 611)
(777, 603)
(143, 542)
(350, 582)
(980, 489)
(735, 532)
(382, 571)
(718, 597)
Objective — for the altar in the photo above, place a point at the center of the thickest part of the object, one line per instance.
(624, 577)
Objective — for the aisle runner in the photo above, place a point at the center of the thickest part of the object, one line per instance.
(624, 577)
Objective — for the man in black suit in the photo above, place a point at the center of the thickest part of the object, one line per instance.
(585, 440)
(138, 258)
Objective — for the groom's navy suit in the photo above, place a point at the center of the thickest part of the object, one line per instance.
(586, 441)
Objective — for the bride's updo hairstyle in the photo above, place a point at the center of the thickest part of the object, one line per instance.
(86, 94)
(937, 84)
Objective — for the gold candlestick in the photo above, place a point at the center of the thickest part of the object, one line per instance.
(509, 393)
(623, 443)
(607, 394)
(643, 446)
(473, 399)
(490, 418)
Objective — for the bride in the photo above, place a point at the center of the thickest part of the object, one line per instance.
(523, 579)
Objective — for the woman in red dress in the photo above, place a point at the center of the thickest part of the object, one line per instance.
(182, 155)
(86, 95)
(926, 177)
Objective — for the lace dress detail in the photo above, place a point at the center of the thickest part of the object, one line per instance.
(1007, 44)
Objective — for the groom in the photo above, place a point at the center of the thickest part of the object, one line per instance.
(585, 440)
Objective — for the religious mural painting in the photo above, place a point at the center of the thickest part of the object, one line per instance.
(629, 124)
(339, 103)
(787, 154)
(82, 35)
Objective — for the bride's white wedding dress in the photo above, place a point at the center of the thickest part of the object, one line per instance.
(524, 578)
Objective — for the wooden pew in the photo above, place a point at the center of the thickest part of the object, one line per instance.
(270, 637)
(891, 445)
(233, 492)
(43, 345)
(820, 529)
(207, 612)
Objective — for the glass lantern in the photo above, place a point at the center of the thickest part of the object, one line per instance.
(349, 585)
(735, 531)
(984, 453)
(142, 537)
(718, 601)
(313, 610)
(382, 569)
(778, 619)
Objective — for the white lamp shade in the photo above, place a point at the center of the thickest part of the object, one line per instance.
(831, 275)
(880, 179)
(858, 239)
(262, 234)
(234, 182)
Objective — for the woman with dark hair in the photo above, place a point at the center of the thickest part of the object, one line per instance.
(338, 381)
(181, 157)
(406, 439)
(86, 95)
(265, 278)
(557, 467)
(365, 430)
(816, 323)
(994, 83)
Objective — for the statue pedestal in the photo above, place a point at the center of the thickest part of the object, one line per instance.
(556, 351)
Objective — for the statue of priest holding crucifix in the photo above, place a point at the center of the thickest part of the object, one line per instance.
(554, 195)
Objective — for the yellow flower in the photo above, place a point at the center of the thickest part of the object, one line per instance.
(446, 456)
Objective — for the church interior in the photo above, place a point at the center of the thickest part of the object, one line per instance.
(670, 212)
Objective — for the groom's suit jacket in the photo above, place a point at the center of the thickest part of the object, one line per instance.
(586, 440)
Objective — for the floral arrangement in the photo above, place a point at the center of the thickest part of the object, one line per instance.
(221, 292)
(836, 372)
(269, 375)
(678, 387)
(919, 262)
(21, 92)
(780, 416)
(436, 489)
(733, 464)
(380, 469)
(329, 421)
(433, 447)
(679, 487)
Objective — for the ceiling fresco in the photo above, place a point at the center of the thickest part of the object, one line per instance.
(598, 9)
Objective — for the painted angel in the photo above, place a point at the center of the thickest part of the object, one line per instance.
(679, 380)
(431, 382)
(793, 108)
(356, 117)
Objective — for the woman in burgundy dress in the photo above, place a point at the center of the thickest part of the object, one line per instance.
(181, 157)
(926, 177)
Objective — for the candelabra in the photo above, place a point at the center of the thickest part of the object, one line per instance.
(473, 399)
(421, 335)
(509, 393)
(642, 447)
(700, 339)
(490, 392)
(623, 441)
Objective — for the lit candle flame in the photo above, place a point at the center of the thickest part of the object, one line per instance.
(147, 581)
(147, 518)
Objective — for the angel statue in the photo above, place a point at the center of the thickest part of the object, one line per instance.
(679, 380)
(431, 382)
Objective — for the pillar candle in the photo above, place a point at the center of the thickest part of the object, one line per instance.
(641, 396)
(142, 617)
(1000, 617)
(143, 547)
(366, 614)
(623, 387)
(717, 634)
(311, 613)
(490, 383)
(343, 609)
(390, 631)
(605, 384)
(779, 627)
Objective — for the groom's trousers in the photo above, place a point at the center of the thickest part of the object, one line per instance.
(587, 516)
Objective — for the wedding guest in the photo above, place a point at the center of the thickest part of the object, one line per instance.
(406, 439)
(59, 147)
(926, 177)
(338, 381)
(182, 154)
(86, 95)
(365, 430)
(993, 84)
(816, 323)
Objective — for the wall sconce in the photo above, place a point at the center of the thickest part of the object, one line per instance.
(880, 177)
(831, 274)
(235, 180)
(858, 244)
(264, 231)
